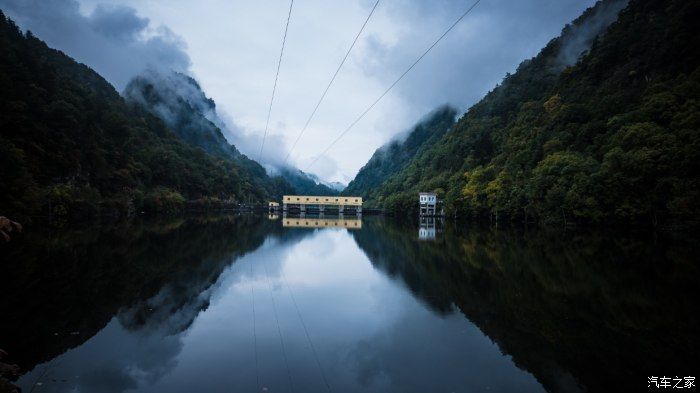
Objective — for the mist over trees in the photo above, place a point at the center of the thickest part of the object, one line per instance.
(612, 136)
(70, 145)
(395, 155)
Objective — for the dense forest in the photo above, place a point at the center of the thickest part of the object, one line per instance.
(395, 155)
(71, 145)
(179, 101)
(609, 132)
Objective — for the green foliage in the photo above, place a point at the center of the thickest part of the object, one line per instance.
(613, 136)
(163, 200)
(180, 103)
(392, 157)
(70, 145)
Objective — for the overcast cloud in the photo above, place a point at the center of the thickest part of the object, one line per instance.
(231, 48)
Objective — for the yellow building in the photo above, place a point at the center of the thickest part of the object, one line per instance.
(322, 200)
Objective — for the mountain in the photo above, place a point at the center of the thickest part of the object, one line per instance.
(601, 125)
(179, 101)
(70, 144)
(395, 155)
(305, 183)
(336, 185)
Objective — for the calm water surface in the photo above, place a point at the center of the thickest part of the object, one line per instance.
(245, 304)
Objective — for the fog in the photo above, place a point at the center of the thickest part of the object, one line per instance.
(232, 48)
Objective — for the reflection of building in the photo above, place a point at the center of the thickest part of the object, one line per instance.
(428, 203)
(273, 216)
(301, 222)
(427, 230)
(321, 203)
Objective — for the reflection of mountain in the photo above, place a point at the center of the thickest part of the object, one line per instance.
(58, 290)
(389, 248)
(606, 310)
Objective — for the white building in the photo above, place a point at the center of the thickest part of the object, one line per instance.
(428, 203)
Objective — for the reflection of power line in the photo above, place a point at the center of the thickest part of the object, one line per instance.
(279, 329)
(330, 83)
(255, 335)
(277, 74)
(308, 337)
(369, 108)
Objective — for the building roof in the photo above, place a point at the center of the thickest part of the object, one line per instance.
(427, 193)
(323, 200)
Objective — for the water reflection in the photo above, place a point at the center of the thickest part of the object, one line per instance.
(321, 222)
(581, 311)
(247, 303)
(427, 229)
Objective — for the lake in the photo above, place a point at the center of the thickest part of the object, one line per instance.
(247, 303)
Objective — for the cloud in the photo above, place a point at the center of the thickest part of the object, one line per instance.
(248, 142)
(489, 42)
(118, 22)
(582, 35)
(113, 39)
(235, 47)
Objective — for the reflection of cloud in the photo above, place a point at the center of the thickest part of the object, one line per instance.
(174, 308)
(370, 334)
(420, 353)
(115, 360)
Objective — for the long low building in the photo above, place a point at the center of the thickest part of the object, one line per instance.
(321, 200)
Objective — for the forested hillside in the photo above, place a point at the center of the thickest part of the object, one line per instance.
(69, 144)
(179, 101)
(613, 135)
(392, 157)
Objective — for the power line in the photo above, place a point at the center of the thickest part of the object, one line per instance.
(393, 84)
(255, 335)
(277, 74)
(331, 82)
(279, 329)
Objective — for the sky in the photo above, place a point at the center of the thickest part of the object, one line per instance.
(232, 49)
